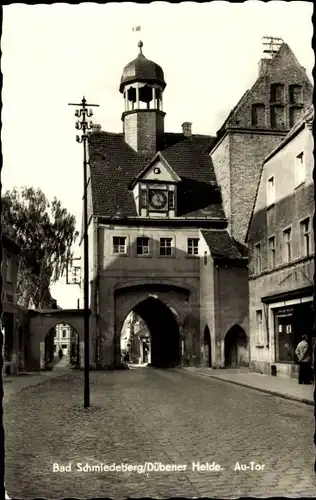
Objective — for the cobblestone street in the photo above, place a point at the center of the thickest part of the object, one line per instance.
(147, 415)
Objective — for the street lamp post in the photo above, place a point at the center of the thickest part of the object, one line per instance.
(83, 125)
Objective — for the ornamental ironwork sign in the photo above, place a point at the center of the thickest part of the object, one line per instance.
(73, 272)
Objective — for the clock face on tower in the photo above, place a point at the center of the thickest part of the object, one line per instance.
(158, 199)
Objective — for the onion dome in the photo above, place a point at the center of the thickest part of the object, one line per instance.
(142, 70)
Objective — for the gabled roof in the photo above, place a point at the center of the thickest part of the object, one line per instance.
(158, 157)
(306, 119)
(114, 165)
(272, 62)
(223, 246)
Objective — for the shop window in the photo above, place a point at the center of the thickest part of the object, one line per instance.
(295, 94)
(306, 237)
(285, 342)
(277, 117)
(271, 190)
(259, 327)
(258, 115)
(142, 246)
(119, 245)
(166, 246)
(277, 93)
(295, 115)
(290, 323)
(271, 245)
(193, 246)
(287, 245)
(300, 171)
(257, 258)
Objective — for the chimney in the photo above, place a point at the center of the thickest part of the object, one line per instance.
(263, 65)
(96, 128)
(187, 129)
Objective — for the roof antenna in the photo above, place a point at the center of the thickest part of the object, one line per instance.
(273, 45)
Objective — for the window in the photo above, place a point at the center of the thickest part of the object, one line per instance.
(259, 327)
(287, 238)
(258, 116)
(165, 246)
(277, 116)
(277, 93)
(9, 268)
(305, 236)
(295, 92)
(299, 169)
(142, 246)
(193, 246)
(258, 258)
(119, 244)
(171, 203)
(295, 115)
(271, 243)
(64, 333)
(270, 191)
(143, 198)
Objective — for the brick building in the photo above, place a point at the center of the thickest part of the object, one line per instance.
(281, 252)
(159, 244)
(256, 125)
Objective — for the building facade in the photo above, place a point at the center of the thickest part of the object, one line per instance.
(281, 253)
(14, 318)
(156, 224)
(256, 125)
(168, 215)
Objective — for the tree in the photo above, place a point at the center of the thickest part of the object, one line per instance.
(45, 232)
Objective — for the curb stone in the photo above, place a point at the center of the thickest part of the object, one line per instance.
(259, 389)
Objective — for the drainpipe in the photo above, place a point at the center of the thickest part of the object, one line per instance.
(218, 318)
(97, 292)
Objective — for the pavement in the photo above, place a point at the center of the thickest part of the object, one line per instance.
(12, 384)
(283, 387)
(225, 440)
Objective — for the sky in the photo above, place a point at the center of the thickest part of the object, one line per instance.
(56, 54)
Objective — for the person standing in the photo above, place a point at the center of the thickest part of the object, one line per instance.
(303, 354)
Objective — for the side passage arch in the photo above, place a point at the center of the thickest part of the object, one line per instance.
(236, 348)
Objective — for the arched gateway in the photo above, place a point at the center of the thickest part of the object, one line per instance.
(42, 323)
(163, 309)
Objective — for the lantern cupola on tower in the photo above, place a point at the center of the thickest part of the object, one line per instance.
(142, 85)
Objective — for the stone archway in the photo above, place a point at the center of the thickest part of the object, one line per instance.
(44, 321)
(168, 308)
(163, 327)
(236, 348)
(207, 345)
